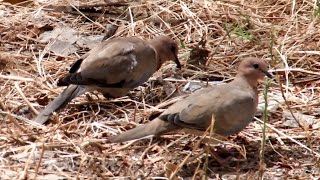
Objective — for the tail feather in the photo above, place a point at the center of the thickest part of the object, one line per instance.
(59, 102)
(155, 127)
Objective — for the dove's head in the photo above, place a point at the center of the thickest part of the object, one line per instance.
(166, 48)
(253, 69)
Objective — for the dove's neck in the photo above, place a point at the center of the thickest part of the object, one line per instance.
(160, 54)
(243, 80)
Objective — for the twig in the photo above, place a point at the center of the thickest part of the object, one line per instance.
(39, 162)
(26, 167)
(16, 85)
(263, 141)
(16, 78)
(210, 131)
(287, 104)
(293, 140)
(96, 23)
(35, 125)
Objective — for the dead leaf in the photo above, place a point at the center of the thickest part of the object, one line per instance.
(111, 30)
(199, 54)
(156, 159)
(89, 41)
(6, 60)
(303, 119)
(170, 169)
(63, 40)
(36, 30)
(20, 2)
(42, 99)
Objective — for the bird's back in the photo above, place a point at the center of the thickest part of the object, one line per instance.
(233, 108)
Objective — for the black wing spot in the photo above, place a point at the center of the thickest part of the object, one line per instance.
(75, 66)
(76, 78)
(163, 117)
(168, 117)
(173, 118)
(114, 85)
(104, 84)
(72, 78)
(61, 82)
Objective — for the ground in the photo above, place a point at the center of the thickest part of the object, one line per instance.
(40, 40)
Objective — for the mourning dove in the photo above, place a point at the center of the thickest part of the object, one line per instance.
(233, 105)
(113, 68)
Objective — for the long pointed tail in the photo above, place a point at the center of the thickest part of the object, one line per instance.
(66, 96)
(155, 127)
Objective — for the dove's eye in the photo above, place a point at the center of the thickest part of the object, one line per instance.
(256, 66)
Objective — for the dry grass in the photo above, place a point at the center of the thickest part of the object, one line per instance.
(285, 33)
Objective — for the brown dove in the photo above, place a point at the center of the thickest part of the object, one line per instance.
(113, 68)
(233, 105)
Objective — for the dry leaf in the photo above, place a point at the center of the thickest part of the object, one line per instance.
(170, 169)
